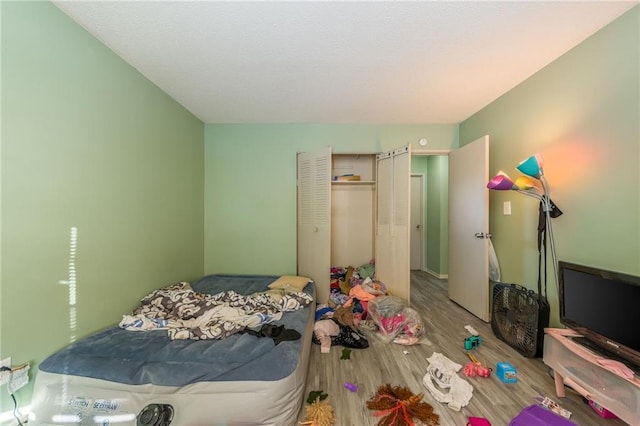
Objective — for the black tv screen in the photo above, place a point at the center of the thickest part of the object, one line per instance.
(603, 306)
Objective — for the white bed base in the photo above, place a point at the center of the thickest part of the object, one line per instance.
(60, 399)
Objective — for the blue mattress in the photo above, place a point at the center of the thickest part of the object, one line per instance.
(150, 357)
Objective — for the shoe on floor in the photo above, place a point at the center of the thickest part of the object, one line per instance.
(349, 338)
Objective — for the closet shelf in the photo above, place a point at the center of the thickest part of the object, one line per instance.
(352, 182)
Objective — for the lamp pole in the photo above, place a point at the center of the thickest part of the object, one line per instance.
(547, 205)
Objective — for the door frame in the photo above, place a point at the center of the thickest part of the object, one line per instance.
(428, 153)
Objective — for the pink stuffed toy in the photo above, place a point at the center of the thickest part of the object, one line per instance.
(478, 421)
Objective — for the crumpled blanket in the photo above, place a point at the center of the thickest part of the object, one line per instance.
(186, 314)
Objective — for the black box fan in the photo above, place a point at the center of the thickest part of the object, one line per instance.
(519, 317)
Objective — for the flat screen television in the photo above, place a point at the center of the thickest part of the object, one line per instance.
(604, 307)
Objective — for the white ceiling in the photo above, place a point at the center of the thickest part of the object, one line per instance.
(340, 62)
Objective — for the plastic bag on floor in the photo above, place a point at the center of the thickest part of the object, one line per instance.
(494, 266)
(396, 321)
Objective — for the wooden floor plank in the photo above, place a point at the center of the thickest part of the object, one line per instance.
(406, 366)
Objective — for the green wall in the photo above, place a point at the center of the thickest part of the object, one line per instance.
(102, 186)
(581, 113)
(438, 215)
(250, 184)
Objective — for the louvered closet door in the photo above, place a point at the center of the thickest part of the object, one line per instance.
(314, 219)
(392, 227)
(400, 242)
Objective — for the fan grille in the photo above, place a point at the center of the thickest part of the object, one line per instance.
(516, 318)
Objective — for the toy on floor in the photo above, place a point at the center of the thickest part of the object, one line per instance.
(478, 421)
(346, 353)
(352, 387)
(313, 395)
(475, 368)
(319, 412)
(551, 405)
(398, 406)
(472, 342)
(602, 412)
(506, 372)
(471, 330)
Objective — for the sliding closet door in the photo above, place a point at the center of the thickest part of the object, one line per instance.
(384, 200)
(401, 208)
(392, 231)
(314, 219)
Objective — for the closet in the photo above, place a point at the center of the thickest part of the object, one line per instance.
(353, 190)
(353, 208)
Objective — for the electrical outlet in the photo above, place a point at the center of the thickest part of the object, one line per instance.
(19, 378)
(5, 375)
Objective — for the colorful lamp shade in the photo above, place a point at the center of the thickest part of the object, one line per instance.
(501, 182)
(534, 184)
(532, 166)
(524, 183)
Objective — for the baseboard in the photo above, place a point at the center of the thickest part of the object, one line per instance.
(437, 275)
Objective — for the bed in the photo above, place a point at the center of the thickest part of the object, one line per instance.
(124, 377)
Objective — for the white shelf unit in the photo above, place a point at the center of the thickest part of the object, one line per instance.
(578, 367)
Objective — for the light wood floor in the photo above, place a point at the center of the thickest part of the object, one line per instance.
(399, 365)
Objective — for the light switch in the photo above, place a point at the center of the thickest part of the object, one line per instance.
(506, 209)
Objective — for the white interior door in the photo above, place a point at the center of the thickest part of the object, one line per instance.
(469, 227)
(392, 231)
(314, 219)
(417, 222)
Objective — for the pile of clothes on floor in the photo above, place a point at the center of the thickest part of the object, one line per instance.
(358, 302)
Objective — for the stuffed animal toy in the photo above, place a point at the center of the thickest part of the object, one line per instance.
(319, 413)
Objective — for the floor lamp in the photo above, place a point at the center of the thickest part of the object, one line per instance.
(532, 171)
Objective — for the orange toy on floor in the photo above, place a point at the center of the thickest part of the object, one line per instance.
(398, 406)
